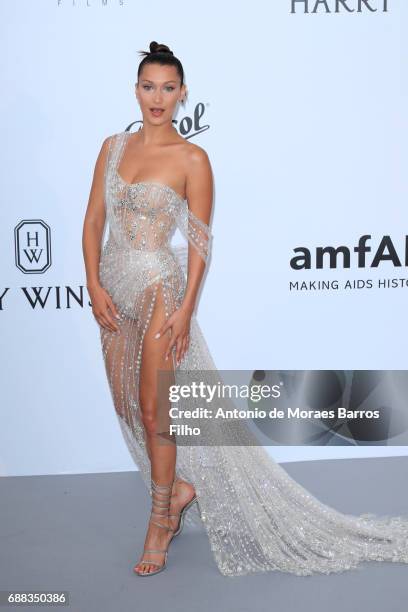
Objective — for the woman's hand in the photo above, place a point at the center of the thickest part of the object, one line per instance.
(103, 307)
(179, 323)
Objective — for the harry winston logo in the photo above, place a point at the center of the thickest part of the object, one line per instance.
(339, 6)
(32, 242)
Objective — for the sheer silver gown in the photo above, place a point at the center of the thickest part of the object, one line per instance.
(256, 516)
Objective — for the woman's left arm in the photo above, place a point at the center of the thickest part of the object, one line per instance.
(199, 193)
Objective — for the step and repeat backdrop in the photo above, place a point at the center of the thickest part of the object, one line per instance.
(301, 107)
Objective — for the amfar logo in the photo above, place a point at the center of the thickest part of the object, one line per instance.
(188, 126)
(385, 251)
(32, 241)
(339, 6)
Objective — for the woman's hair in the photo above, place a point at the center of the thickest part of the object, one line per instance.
(160, 54)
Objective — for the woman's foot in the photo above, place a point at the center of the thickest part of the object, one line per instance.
(183, 492)
(159, 533)
(156, 539)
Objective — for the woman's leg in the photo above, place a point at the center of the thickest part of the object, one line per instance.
(161, 450)
(120, 352)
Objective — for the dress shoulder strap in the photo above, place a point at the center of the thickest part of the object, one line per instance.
(116, 142)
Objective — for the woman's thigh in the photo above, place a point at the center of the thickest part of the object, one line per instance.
(154, 385)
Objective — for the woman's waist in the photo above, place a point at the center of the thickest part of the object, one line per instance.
(127, 248)
(140, 256)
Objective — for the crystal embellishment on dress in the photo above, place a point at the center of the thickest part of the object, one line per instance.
(256, 516)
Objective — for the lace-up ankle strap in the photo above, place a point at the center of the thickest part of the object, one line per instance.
(161, 495)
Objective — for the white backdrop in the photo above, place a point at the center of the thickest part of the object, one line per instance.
(307, 136)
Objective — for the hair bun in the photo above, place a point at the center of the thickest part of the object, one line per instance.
(155, 47)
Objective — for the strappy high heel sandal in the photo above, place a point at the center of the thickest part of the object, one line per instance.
(160, 501)
(181, 514)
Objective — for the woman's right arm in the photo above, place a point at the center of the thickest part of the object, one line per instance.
(102, 306)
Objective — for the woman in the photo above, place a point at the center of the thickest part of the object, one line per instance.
(143, 295)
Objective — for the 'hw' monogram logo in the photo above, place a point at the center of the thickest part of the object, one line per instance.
(32, 238)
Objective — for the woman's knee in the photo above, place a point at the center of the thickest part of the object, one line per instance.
(150, 423)
(148, 412)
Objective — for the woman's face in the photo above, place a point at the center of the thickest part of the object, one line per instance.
(158, 91)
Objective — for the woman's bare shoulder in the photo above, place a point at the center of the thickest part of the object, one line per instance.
(196, 153)
(198, 171)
